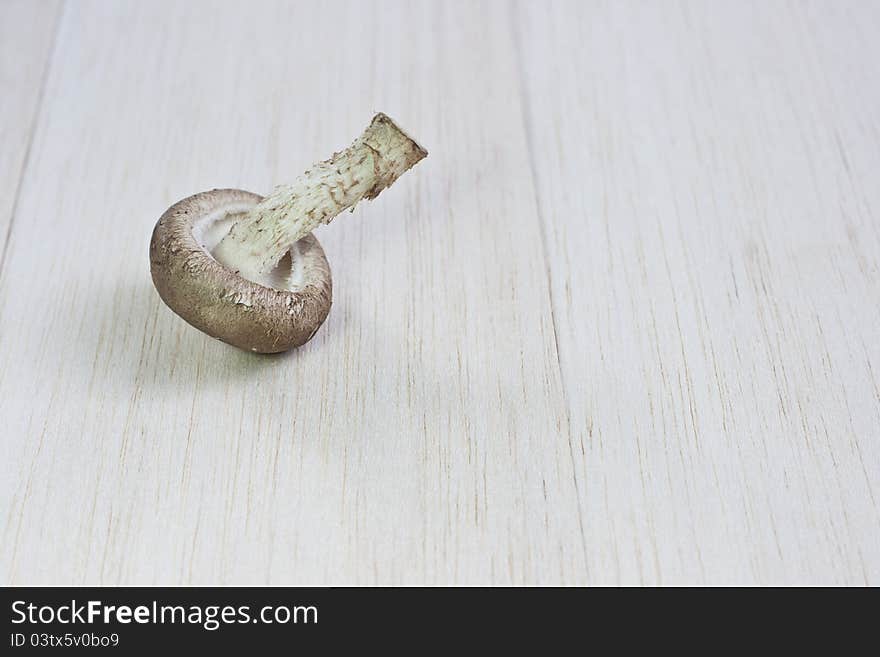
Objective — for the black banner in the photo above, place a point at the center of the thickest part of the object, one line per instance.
(126, 619)
(133, 620)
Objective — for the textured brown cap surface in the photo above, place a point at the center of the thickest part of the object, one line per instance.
(221, 303)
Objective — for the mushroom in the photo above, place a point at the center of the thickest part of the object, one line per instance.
(246, 269)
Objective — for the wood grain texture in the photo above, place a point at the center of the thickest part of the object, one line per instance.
(619, 327)
(707, 175)
(27, 31)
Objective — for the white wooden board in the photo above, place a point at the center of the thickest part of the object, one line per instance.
(619, 327)
(420, 437)
(707, 181)
(27, 31)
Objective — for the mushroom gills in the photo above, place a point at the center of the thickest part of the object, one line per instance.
(210, 230)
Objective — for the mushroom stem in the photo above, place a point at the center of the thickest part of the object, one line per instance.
(373, 162)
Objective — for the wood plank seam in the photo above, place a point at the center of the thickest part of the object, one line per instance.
(527, 120)
(32, 128)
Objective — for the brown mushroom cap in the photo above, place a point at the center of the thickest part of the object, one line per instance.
(216, 299)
